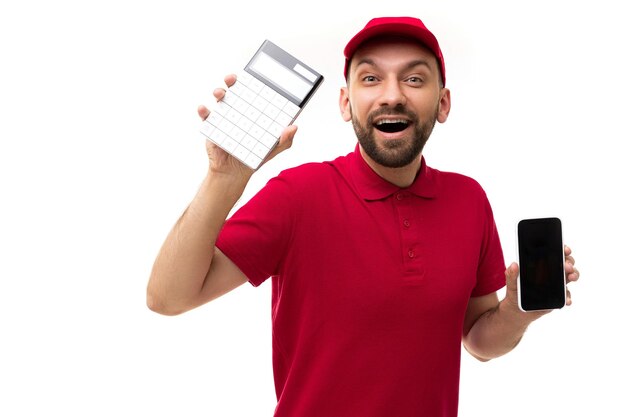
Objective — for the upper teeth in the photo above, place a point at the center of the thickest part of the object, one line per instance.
(383, 121)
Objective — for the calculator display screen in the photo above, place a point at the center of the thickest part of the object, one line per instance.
(282, 76)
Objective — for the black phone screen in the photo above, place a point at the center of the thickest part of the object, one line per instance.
(542, 277)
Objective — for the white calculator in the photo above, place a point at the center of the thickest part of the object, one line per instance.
(267, 97)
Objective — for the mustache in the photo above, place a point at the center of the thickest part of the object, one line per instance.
(398, 111)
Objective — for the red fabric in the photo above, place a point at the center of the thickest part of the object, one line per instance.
(370, 285)
(410, 27)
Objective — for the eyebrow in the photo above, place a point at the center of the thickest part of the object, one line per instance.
(409, 65)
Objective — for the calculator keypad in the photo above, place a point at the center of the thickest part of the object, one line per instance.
(248, 121)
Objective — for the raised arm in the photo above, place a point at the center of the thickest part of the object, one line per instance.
(189, 271)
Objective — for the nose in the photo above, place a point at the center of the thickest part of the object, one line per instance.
(392, 94)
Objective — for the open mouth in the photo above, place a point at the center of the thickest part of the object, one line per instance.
(391, 125)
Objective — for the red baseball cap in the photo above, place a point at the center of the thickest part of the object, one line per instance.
(409, 27)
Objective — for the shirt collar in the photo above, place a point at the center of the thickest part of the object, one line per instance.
(371, 186)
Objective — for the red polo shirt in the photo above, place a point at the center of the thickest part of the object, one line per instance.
(370, 283)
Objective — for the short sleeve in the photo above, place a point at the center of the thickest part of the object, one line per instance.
(490, 274)
(256, 236)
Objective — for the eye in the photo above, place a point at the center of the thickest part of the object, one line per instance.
(369, 79)
(414, 80)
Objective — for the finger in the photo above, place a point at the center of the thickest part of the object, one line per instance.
(203, 112)
(571, 272)
(286, 139)
(568, 298)
(567, 250)
(573, 276)
(219, 93)
(230, 79)
(511, 274)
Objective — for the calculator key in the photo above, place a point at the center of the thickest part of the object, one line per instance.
(244, 77)
(268, 140)
(233, 116)
(229, 97)
(237, 134)
(240, 105)
(221, 108)
(244, 123)
(283, 120)
(272, 111)
(291, 109)
(253, 161)
(229, 144)
(214, 118)
(260, 150)
(275, 130)
(218, 136)
(256, 132)
(260, 103)
(241, 153)
(255, 85)
(267, 93)
(206, 128)
(246, 94)
(249, 142)
(252, 113)
(264, 121)
(225, 126)
(236, 88)
(279, 101)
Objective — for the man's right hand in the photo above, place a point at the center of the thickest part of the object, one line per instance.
(189, 270)
(222, 162)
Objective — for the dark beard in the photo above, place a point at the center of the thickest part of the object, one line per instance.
(395, 153)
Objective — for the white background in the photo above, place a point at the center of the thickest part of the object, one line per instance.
(100, 153)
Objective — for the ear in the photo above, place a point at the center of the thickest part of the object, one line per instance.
(444, 105)
(344, 105)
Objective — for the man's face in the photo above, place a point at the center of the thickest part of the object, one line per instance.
(393, 99)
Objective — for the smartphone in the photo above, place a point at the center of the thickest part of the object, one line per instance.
(268, 95)
(541, 282)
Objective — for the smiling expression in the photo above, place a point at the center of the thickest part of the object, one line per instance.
(393, 99)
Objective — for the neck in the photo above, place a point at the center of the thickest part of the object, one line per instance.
(402, 177)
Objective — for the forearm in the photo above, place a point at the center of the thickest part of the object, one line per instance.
(181, 267)
(497, 331)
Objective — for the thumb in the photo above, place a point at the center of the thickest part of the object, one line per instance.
(203, 112)
(511, 274)
(285, 141)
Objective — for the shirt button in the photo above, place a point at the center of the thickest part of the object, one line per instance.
(406, 223)
(411, 254)
(399, 196)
